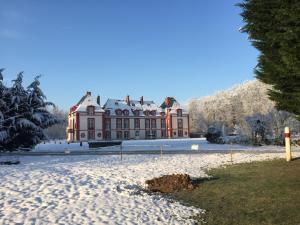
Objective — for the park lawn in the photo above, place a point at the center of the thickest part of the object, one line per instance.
(265, 192)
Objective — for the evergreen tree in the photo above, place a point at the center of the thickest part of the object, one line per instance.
(273, 27)
(3, 109)
(24, 114)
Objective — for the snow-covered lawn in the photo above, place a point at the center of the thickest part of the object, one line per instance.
(167, 144)
(100, 189)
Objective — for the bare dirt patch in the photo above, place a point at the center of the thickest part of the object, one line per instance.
(170, 183)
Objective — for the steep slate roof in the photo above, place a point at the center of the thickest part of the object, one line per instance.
(114, 104)
(83, 98)
(85, 101)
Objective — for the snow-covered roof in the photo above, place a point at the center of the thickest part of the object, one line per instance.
(86, 101)
(130, 105)
(114, 104)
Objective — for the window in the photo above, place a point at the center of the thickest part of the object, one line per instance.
(137, 123)
(146, 113)
(90, 110)
(179, 112)
(136, 113)
(153, 123)
(153, 134)
(119, 123)
(119, 134)
(91, 123)
(137, 133)
(153, 113)
(180, 123)
(126, 134)
(163, 123)
(163, 134)
(148, 134)
(162, 114)
(126, 112)
(107, 112)
(175, 133)
(126, 123)
(180, 133)
(107, 124)
(119, 112)
(107, 135)
(147, 123)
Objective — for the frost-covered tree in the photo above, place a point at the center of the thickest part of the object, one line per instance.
(258, 128)
(228, 108)
(4, 97)
(58, 131)
(23, 114)
(228, 111)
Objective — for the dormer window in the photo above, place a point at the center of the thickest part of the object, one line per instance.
(136, 112)
(162, 114)
(179, 112)
(107, 112)
(90, 110)
(153, 113)
(126, 112)
(146, 113)
(116, 103)
(132, 104)
(119, 112)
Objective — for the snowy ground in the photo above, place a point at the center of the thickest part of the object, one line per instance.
(167, 144)
(100, 189)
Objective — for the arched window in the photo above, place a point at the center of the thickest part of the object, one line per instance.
(126, 112)
(119, 112)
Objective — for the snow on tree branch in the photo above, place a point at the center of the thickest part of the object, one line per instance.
(23, 114)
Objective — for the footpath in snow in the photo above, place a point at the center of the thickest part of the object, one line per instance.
(100, 189)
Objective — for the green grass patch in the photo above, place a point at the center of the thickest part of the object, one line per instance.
(265, 192)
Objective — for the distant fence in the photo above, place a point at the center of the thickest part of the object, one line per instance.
(136, 148)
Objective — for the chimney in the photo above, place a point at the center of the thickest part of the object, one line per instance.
(127, 100)
(89, 93)
(98, 99)
(142, 100)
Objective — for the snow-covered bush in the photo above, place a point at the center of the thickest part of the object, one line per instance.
(239, 139)
(213, 135)
(23, 114)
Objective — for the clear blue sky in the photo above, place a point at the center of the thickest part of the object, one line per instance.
(154, 48)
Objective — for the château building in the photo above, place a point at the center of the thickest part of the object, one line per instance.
(126, 119)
